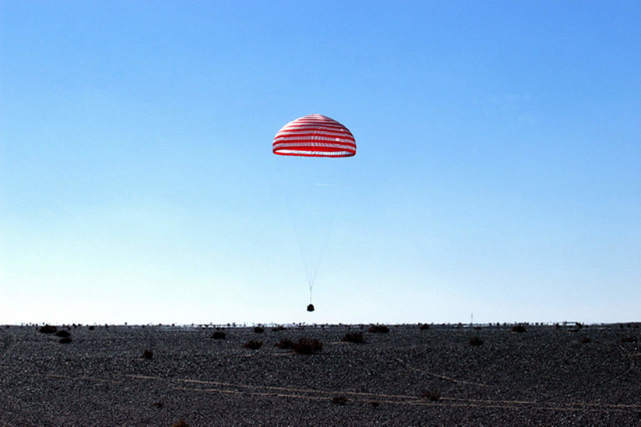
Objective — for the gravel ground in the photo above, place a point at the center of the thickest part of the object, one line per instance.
(546, 375)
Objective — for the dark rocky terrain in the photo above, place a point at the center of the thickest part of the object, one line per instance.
(407, 376)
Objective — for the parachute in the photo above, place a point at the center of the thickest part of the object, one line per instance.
(314, 135)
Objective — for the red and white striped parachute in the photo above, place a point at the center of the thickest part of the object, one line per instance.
(314, 135)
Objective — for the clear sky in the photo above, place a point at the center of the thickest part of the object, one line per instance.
(498, 169)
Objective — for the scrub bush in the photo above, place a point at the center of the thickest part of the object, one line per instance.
(433, 395)
(354, 337)
(339, 400)
(218, 335)
(476, 341)
(47, 329)
(253, 345)
(308, 346)
(378, 329)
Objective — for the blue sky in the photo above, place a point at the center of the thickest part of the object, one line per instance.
(498, 169)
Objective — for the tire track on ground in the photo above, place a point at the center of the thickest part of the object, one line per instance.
(441, 377)
(192, 385)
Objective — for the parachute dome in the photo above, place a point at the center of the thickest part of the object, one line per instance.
(314, 135)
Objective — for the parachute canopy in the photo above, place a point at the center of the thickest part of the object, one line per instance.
(314, 135)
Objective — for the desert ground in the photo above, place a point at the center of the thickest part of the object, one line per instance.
(441, 374)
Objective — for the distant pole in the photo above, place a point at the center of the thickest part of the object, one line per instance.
(471, 319)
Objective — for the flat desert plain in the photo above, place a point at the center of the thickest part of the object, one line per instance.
(406, 376)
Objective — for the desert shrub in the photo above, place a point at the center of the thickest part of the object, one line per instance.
(433, 395)
(423, 326)
(180, 423)
(253, 345)
(378, 329)
(308, 346)
(476, 341)
(147, 354)
(218, 335)
(354, 337)
(259, 329)
(91, 328)
(519, 329)
(47, 329)
(63, 334)
(278, 328)
(339, 400)
(629, 339)
(557, 326)
(65, 340)
(285, 344)
(157, 405)
(585, 340)
(375, 404)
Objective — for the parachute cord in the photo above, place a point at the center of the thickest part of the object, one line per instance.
(305, 258)
(318, 261)
(312, 259)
